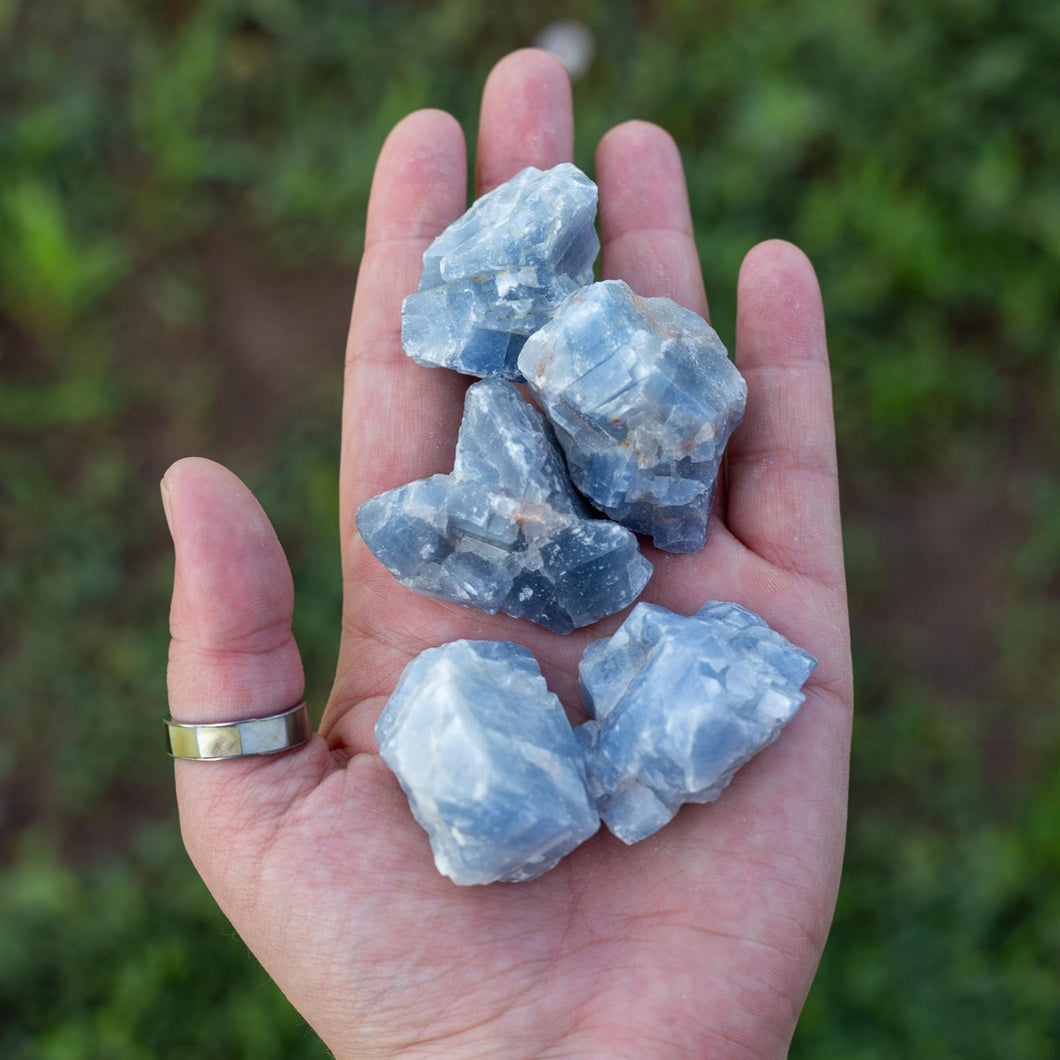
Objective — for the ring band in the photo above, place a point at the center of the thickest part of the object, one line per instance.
(214, 741)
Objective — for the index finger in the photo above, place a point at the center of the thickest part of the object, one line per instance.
(419, 187)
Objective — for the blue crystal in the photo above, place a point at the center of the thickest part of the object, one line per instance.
(679, 704)
(497, 273)
(643, 398)
(505, 531)
(488, 760)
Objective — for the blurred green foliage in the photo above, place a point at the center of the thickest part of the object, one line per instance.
(129, 959)
(911, 148)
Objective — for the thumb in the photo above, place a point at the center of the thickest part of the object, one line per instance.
(232, 657)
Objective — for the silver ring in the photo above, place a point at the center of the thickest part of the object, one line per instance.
(215, 741)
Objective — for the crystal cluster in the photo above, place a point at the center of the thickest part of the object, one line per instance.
(679, 704)
(643, 399)
(638, 392)
(488, 760)
(497, 273)
(504, 787)
(505, 531)
(640, 400)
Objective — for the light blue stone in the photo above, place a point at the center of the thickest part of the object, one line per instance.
(678, 704)
(497, 273)
(505, 531)
(643, 398)
(488, 760)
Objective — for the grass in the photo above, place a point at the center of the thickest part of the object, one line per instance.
(910, 148)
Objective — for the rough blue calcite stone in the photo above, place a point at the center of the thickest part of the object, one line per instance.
(488, 761)
(505, 531)
(497, 274)
(679, 704)
(643, 399)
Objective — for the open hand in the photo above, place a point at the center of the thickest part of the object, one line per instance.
(700, 941)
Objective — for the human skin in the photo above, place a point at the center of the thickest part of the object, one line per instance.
(700, 941)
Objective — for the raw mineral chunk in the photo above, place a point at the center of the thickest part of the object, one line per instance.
(643, 399)
(679, 704)
(505, 531)
(497, 274)
(488, 761)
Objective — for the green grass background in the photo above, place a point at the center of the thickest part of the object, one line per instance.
(182, 194)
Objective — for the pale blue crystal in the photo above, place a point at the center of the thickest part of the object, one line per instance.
(505, 531)
(497, 273)
(643, 399)
(488, 760)
(679, 704)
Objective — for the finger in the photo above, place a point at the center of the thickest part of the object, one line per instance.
(783, 497)
(526, 118)
(232, 655)
(400, 420)
(645, 222)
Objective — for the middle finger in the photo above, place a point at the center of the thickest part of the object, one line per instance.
(526, 118)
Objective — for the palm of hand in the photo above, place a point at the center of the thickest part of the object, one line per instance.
(701, 940)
